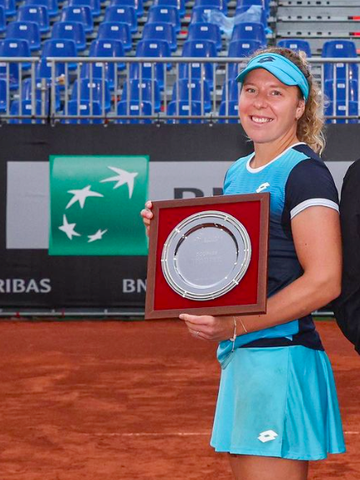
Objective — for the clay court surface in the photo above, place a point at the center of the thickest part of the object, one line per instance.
(118, 400)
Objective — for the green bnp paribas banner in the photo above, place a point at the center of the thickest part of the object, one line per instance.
(96, 203)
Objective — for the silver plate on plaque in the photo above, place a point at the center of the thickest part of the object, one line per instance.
(206, 255)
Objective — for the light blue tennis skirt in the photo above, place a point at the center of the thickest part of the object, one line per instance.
(278, 402)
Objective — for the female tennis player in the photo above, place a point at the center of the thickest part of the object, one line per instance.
(277, 405)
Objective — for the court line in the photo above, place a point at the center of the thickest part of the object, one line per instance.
(165, 434)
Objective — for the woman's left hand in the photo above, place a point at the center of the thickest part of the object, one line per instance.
(206, 327)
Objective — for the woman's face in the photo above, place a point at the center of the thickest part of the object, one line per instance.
(268, 108)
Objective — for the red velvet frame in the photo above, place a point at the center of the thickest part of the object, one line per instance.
(249, 296)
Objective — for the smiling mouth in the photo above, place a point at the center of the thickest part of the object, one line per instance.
(260, 120)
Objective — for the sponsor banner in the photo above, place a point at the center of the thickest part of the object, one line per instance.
(28, 200)
(95, 203)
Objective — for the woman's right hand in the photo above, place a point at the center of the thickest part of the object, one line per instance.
(147, 216)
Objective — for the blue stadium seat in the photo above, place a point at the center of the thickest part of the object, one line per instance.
(134, 109)
(164, 14)
(341, 89)
(97, 91)
(35, 13)
(83, 109)
(229, 109)
(70, 31)
(200, 14)
(3, 95)
(2, 19)
(137, 4)
(15, 48)
(340, 49)
(116, 31)
(205, 31)
(99, 70)
(42, 91)
(200, 91)
(184, 109)
(249, 31)
(198, 70)
(240, 49)
(80, 14)
(94, 5)
(123, 14)
(160, 31)
(9, 7)
(25, 31)
(152, 48)
(150, 92)
(244, 10)
(342, 110)
(25, 108)
(179, 4)
(213, 4)
(52, 6)
(296, 44)
(56, 48)
(249, 3)
(230, 91)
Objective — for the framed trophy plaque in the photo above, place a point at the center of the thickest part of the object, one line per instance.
(208, 256)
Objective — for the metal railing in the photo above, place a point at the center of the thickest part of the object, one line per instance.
(54, 89)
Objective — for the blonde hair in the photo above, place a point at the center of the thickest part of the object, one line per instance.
(311, 124)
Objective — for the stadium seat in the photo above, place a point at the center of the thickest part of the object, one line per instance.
(164, 14)
(342, 110)
(296, 44)
(9, 7)
(2, 19)
(80, 14)
(201, 14)
(198, 70)
(230, 91)
(122, 14)
(151, 48)
(200, 92)
(70, 31)
(230, 108)
(249, 31)
(52, 6)
(243, 11)
(341, 90)
(179, 4)
(116, 31)
(94, 5)
(134, 109)
(35, 13)
(24, 31)
(25, 107)
(137, 4)
(205, 31)
(184, 109)
(249, 3)
(42, 91)
(3, 95)
(96, 91)
(240, 49)
(106, 70)
(56, 48)
(340, 49)
(83, 109)
(150, 92)
(213, 4)
(160, 31)
(15, 48)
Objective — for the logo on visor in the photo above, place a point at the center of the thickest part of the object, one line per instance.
(266, 59)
